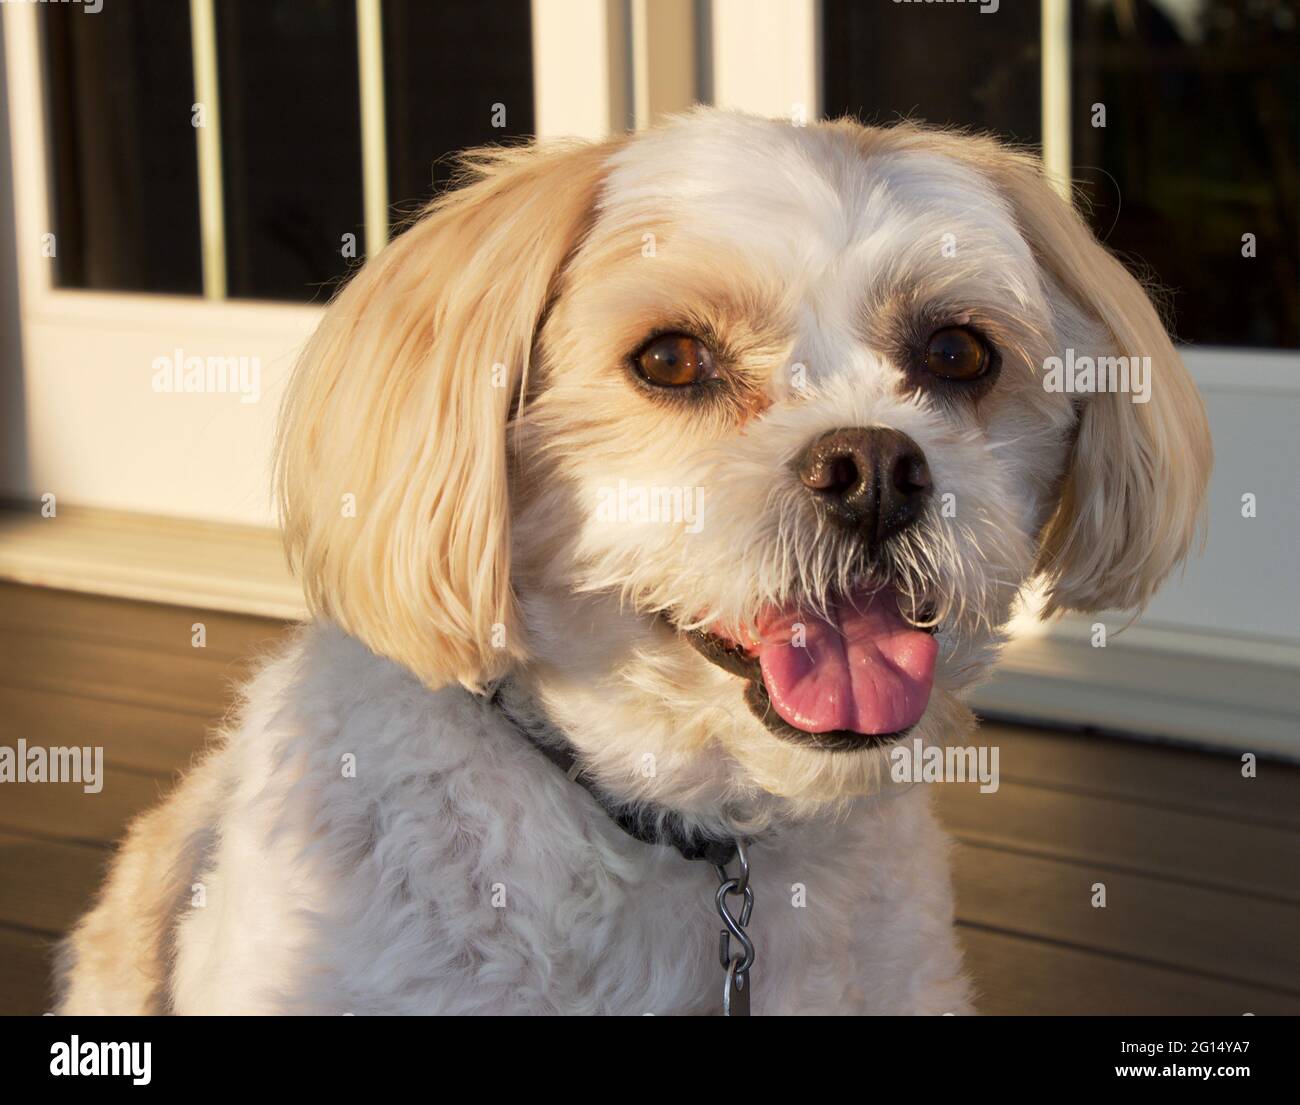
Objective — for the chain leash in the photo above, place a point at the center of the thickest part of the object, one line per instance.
(736, 986)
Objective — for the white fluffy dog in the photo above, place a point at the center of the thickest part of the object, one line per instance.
(703, 463)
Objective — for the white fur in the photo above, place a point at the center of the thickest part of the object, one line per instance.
(375, 894)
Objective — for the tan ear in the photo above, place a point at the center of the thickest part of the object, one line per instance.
(391, 459)
(1134, 493)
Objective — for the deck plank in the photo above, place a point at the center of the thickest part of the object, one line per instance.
(163, 680)
(25, 959)
(65, 811)
(1124, 835)
(140, 737)
(30, 612)
(1207, 932)
(1147, 772)
(1015, 976)
(46, 884)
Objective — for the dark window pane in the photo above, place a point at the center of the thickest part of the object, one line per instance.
(290, 144)
(446, 68)
(124, 162)
(941, 63)
(1200, 145)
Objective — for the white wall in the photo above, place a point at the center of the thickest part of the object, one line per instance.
(1246, 581)
(98, 434)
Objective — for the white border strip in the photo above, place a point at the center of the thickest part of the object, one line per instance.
(177, 561)
(212, 212)
(1055, 71)
(766, 57)
(639, 49)
(27, 142)
(580, 74)
(374, 135)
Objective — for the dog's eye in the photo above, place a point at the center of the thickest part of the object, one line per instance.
(675, 361)
(956, 353)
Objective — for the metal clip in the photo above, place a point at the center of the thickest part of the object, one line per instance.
(736, 988)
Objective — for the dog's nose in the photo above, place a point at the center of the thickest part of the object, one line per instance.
(873, 481)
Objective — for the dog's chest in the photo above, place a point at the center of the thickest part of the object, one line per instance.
(550, 908)
(530, 900)
(627, 931)
(450, 869)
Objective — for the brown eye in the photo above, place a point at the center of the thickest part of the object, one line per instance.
(675, 361)
(956, 353)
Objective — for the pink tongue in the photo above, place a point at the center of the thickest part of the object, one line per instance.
(866, 669)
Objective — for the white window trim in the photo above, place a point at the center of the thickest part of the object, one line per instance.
(1055, 91)
(767, 57)
(212, 209)
(580, 68)
(87, 355)
(374, 133)
(95, 311)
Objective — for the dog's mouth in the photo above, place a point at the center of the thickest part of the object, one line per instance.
(855, 675)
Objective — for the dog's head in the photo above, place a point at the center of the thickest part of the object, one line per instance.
(731, 439)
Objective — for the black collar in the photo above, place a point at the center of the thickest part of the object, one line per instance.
(638, 819)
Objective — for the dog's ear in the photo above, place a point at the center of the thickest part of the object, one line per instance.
(1133, 495)
(391, 458)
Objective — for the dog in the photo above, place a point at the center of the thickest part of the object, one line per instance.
(645, 494)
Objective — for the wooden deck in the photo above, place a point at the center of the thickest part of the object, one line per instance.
(1201, 867)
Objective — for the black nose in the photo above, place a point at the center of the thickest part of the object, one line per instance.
(872, 481)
